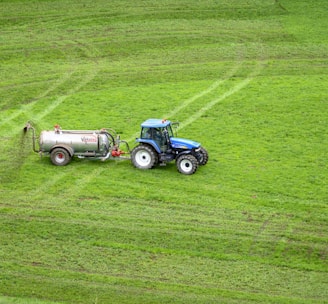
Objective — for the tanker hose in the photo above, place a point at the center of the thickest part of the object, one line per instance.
(27, 127)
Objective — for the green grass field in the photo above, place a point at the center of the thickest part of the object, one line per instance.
(248, 79)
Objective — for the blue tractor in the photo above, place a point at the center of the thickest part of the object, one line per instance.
(158, 146)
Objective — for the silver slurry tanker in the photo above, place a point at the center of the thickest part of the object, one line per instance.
(62, 145)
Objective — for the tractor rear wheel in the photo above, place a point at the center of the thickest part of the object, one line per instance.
(187, 164)
(144, 157)
(60, 157)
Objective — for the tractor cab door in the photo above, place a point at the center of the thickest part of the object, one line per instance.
(157, 135)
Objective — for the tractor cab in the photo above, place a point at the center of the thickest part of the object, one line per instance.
(157, 133)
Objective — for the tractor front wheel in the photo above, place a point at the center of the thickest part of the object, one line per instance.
(187, 164)
(144, 157)
(60, 157)
(202, 156)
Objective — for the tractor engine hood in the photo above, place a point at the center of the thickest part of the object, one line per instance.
(182, 143)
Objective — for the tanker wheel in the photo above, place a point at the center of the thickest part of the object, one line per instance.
(202, 156)
(60, 157)
(144, 157)
(187, 164)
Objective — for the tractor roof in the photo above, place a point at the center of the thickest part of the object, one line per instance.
(155, 123)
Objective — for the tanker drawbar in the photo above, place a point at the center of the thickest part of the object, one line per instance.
(62, 145)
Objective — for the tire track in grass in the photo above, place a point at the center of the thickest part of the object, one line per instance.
(90, 74)
(26, 108)
(201, 94)
(88, 77)
(55, 184)
(260, 63)
(45, 187)
(90, 52)
(61, 99)
(60, 81)
(233, 90)
(74, 190)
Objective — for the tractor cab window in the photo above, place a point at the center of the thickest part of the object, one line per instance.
(146, 133)
(152, 133)
(170, 132)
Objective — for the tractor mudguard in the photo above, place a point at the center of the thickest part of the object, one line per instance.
(184, 152)
(150, 142)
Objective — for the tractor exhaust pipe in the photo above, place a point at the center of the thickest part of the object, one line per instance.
(27, 127)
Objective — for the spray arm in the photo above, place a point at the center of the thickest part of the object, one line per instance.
(27, 127)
